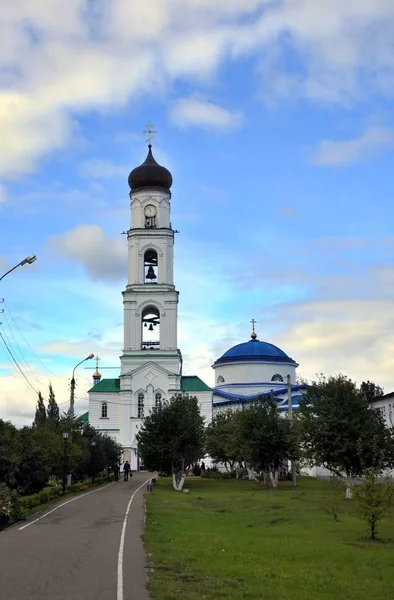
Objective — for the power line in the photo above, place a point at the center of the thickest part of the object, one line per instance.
(12, 365)
(20, 351)
(37, 357)
(16, 363)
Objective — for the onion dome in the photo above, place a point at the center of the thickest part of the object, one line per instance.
(150, 174)
(254, 351)
(96, 375)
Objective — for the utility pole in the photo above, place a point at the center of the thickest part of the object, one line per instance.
(290, 413)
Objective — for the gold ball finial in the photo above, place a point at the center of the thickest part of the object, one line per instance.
(253, 335)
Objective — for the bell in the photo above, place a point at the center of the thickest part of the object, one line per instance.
(145, 324)
(151, 327)
(151, 274)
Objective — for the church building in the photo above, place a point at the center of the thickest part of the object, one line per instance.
(254, 370)
(151, 368)
(151, 362)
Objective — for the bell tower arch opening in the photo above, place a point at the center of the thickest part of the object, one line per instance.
(150, 324)
(150, 266)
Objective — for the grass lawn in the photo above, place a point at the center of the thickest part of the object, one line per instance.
(230, 539)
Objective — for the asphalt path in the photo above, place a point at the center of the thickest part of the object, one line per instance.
(85, 549)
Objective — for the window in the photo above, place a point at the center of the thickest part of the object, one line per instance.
(104, 410)
(158, 399)
(277, 377)
(140, 406)
(150, 333)
(150, 266)
(220, 379)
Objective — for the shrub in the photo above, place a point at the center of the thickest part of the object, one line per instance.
(11, 507)
(218, 474)
(373, 499)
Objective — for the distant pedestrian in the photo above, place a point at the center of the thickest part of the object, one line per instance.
(126, 470)
(116, 471)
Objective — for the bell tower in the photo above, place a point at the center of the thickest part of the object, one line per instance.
(150, 300)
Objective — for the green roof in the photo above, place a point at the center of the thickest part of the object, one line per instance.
(192, 383)
(106, 385)
(84, 418)
(189, 383)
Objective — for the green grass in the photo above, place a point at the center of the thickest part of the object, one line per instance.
(229, 539)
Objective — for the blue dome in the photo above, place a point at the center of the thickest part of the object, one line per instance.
(254, 351)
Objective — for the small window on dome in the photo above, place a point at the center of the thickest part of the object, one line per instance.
(220, 379)
(277, 377)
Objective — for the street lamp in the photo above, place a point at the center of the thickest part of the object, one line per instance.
(65, 438)
(93, 444)
(72, 387)
(28, 260)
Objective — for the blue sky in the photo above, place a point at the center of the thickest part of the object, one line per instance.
(275, 119)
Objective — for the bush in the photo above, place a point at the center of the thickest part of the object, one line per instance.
(218, 475)
(43, 497)
(11, 507)
(373, 499)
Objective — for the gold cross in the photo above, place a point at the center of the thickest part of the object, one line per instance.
(150, 131)
(97, 362)
(253, 324)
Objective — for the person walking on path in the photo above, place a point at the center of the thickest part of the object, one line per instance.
(126, 470)
(116, 471)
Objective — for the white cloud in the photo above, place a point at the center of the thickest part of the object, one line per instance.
(18, 401)
(60, 61)
(103, 258)
(196, 111)
(102, 169)
(372, 141)
(352, 336)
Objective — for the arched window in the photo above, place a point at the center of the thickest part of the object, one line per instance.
(220, 379)
(158, 399)
(150, 328)
(277, 377)
(104, 410)
(150, 266)
(140, 406)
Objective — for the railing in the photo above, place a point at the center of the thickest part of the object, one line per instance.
(150, 346)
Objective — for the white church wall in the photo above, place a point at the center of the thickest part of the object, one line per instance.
(386, 407)
(111, 424)
(205, 403)
(253, 372)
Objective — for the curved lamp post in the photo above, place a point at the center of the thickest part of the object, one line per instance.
(28, 260)
(72, 387)
(65, 438)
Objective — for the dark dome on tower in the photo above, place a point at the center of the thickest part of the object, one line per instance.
(150, 174)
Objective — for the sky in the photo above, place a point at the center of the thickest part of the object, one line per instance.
(275, 118)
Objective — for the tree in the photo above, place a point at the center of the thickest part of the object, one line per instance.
(222, 440)
(40, 452)
(53, 417)
(172, 437)
(340, 431)
(370, 391)
(373, 499)
(8, 453)
(41, 413)
(265, 439)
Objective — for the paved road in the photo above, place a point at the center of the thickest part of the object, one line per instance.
(73, 552)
